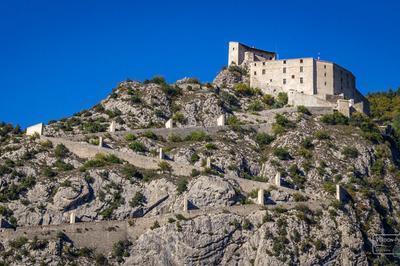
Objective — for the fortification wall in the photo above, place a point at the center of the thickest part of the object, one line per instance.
(85, 150)
(283, 75)
(296, 99)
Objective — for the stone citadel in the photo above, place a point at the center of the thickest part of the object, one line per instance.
(307, 81)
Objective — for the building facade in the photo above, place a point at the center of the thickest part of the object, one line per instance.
(307, 81)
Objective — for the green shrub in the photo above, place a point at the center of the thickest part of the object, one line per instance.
(62, 166)
(302, 109)
(210, 146)
(335, 119)
(61, 151)
(178, 117)
(299, 197)
(350, 152)
(164, 166)
(228, 98)
(137, 200)
(282, 99)
(268, 99)
(18, 242)
(329, 187)
(182, 185)
(378, 167)
(307, 143)
(321, 134)
(256, 106)
(264, 139)
(282, 153)
(150, 135)
(93, 127)
(48, 172)
(137, 146)
(194, 158)
(130, 171)
(233, 121)
(198, 136)
(155, 225)
(130, 137)
(194, 173)
(283, 121)
(174, 138)
(120, 249)
(237, 70)
(245, 90)
(319, 245)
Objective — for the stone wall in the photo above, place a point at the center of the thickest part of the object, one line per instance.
(283, 75)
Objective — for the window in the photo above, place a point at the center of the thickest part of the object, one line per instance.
(263, 71)
(284, 81)
(263, 63)
(233, 48)
(255, 64)
(270, 80)
(301, 69)
(284, 70)
(325, 74)
(301, 80)
(293, 76)
(325, 83)
(325, 66)
(301, 61)
(284, 61)
(255, 73)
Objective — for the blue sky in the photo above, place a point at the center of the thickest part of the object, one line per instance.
(59, 57)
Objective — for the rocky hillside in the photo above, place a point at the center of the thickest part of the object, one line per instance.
(43, 182)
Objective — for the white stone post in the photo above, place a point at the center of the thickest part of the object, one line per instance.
(221, 120)
(278, 179)
(35, 129)
(112, 127)
(72, 218)
(169, 124)
(260, 199)
(161, 154)
(208, 163)
(185, 204)
(339, 193)
(100, 142)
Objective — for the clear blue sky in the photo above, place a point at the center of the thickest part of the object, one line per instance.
(59, 57)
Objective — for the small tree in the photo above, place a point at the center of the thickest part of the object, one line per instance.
(182, 185)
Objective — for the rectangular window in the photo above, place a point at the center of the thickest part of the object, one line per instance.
(284, 81)
(255, 64)
(301, 61)
(293, 76)
(270, 80)
(325, 83)
(255, 73)
(325, 74)
(284, 70)
(325, 66)
(263, 63)
(263, 71)
(284, 61)
(301, 80)
(301, 69)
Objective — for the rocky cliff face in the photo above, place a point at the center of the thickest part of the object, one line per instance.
(301, 223)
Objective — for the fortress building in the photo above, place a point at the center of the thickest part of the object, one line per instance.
(307, 81)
